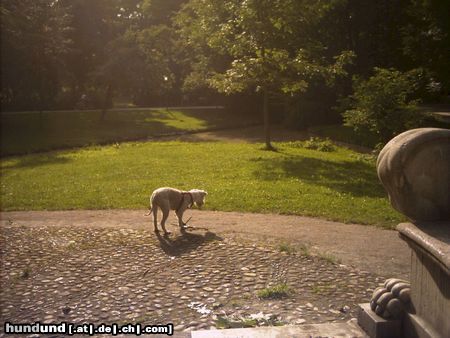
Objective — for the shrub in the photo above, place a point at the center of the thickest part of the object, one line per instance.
(383, 104)
(316, 143)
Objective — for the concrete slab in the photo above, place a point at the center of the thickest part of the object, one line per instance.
(349, 329)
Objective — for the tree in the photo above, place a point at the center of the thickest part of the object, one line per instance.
(94, 25)
(259, 44)
(382, 104)
(137, 65)
(34, 43)
(138, 62)
(425, 41)
(400, 34)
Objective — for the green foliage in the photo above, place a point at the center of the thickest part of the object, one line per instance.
(425, 40)
(382, 104)
(346, 134)
(138, 64)
(55, 52)
(34, 42)
(264, 46)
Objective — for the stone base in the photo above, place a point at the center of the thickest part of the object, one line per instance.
(416, 327)
(377, 327)
(430, 277)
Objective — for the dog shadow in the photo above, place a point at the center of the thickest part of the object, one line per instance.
(184, 242)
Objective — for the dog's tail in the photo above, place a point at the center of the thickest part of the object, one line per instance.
(150, 207)
(149, 212)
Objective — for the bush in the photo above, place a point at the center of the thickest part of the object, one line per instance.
(316, 143)
(383, 105)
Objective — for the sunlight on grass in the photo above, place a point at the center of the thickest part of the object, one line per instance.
(180, 120)
(238, 177)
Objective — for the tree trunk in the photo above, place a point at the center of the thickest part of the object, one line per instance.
(41, 119)
(108, 96)
(41, 108)
(266, 118)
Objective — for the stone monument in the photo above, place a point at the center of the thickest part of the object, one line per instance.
(414, 168)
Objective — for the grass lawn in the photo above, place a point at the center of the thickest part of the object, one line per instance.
(28, 132)
(339, 185)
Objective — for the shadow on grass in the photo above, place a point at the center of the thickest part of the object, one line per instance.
(26, 133)
(346, 134)
(185, 242)
(35, 161)
(355, 178)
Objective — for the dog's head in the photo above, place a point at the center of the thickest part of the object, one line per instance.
(198, 196)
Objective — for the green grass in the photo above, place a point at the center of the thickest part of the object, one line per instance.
(329, 258)
(238, 177)
(228, 323)
(305, 251)
(27, 132)
(287, 248)
(322, 289)
(275, 292)
(290, 249)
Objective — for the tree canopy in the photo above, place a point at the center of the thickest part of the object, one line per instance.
(263, 45)
(55, 52)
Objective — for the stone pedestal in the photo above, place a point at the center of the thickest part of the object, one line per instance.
(430, 278)
(376, 326)
(414, 168)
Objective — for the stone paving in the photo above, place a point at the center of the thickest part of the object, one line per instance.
(195, 280)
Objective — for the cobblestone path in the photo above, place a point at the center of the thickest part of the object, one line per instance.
(195, 281)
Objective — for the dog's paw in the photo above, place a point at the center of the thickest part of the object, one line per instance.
(167, 233)
(156, 230)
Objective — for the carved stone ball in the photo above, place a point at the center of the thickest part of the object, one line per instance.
(414, 168)
(390, 300)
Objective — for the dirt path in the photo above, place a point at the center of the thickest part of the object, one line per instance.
(248, 134)
(254, 134)
(368, 248)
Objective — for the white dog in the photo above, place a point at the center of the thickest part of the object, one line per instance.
(173, 199)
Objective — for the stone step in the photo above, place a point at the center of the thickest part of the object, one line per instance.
(339, 330)
(348, 329)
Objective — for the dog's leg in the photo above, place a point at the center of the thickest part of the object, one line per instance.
(164, 219)
(155, 217)
(180, 218)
